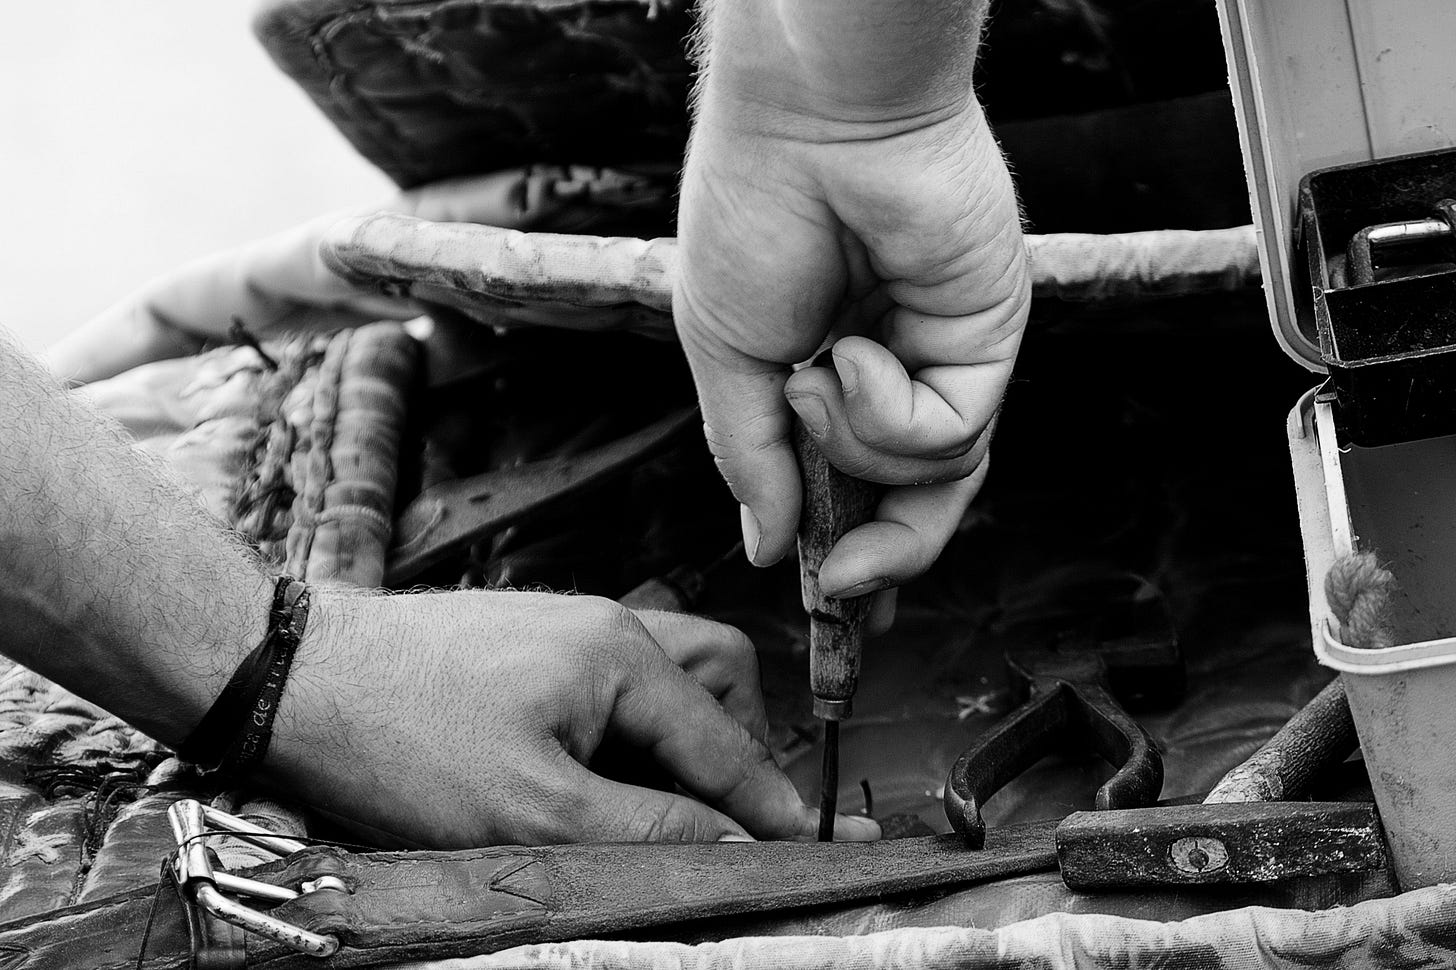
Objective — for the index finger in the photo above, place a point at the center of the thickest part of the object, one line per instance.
(662, 709)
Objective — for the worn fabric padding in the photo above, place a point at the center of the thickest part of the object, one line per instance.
(1416, 930)
(505, 277)
(301, 460)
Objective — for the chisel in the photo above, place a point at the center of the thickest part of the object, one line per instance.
(834, 503)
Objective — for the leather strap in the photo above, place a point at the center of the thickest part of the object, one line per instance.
(418, 905)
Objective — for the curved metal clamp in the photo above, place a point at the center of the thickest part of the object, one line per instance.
(204, 884)
(1069, 704)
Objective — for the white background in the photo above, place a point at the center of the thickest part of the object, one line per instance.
(136, 134)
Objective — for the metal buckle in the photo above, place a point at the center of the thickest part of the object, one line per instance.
(204, 885)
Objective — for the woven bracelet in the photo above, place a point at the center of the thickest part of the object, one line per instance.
(233, 735)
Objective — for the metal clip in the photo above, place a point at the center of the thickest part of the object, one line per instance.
(204, 885)
(1360, 254)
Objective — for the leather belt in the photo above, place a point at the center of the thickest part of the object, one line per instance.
(388, 907)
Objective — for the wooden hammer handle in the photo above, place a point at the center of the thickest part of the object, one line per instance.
(1319, 736)
(834, 503)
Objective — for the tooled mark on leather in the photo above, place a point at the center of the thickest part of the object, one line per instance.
(390, 882)
(498, 882)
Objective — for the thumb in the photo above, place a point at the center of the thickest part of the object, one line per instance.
(748, 426)
(614, 812)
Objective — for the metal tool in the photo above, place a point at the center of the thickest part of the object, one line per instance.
(1240, 833)
(834, 503)
(1068, 702)
(1378, 239)
(449, 517)
(1235, 842)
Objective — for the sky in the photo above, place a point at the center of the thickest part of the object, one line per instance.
(136, 135)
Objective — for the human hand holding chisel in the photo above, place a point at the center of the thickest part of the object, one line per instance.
(834, 503)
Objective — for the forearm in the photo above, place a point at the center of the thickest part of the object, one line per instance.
(113, 581)
(843, 60)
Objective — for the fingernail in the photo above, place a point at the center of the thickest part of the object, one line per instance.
(855, 828)
(812, 412)
(848, 373)
(860, 589)
(752, 533)
(736, 837)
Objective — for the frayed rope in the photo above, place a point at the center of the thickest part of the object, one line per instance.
(1359, 592)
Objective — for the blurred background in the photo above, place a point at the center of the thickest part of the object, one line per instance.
(135, 136)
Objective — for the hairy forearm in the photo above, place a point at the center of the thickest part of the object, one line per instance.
(844, 60)
(113, 580)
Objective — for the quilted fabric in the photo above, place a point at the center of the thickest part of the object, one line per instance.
(63, 762)
(83, 800)
(295, 446)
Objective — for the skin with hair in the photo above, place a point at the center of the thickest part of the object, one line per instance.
(843, 189)
(451, 720)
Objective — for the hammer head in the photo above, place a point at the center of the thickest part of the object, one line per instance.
(1082, 619)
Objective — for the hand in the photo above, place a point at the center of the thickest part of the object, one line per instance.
(898, 240)
(283, 283)
(466, 718)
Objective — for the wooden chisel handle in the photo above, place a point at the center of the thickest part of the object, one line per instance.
(1319, 736)
(834, 503)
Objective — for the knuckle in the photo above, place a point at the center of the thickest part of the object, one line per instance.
(741, 656)
(606, 629)
(756, 763)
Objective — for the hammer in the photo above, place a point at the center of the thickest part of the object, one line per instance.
(1242, 832)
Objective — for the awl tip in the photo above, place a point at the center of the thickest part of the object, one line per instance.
(829, 782)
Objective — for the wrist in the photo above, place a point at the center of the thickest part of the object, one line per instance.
(311, 733)
(838, 62)
(242, 623)
(235, 733)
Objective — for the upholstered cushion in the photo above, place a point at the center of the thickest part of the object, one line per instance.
(427, 90)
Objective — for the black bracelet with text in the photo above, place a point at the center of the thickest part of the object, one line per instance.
(233, 735)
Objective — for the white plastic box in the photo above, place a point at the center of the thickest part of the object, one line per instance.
(1324, 82)
(1318, 83)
